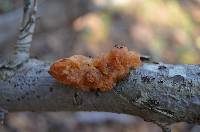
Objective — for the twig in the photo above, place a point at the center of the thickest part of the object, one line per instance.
(24, 41)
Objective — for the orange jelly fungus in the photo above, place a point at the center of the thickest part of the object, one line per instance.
(95, 74)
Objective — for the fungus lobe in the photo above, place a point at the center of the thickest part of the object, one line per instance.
(95, 74)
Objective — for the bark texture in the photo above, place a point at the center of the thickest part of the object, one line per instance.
(160, 93)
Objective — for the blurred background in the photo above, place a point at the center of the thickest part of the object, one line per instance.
(166, 30)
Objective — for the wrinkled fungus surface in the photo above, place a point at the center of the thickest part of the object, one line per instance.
(95, 74)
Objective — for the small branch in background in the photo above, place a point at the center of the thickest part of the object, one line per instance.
(147, 59)
(24, 41)
(2, 115)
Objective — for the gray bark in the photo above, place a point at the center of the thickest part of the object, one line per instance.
(160, 93)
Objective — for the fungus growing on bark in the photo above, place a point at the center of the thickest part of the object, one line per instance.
(95, 74)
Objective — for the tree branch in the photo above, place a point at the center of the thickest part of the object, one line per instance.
(160, 93)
